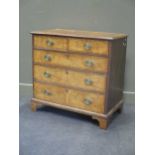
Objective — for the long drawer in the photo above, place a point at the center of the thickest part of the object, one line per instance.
(76, 79)
(92, 63)
(74, 98)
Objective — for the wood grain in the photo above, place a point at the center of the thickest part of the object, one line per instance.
(116, 73)
(76, 99)
(70, 78)
(97, 46)
(59, 43)
(56, 94)
(70, 87)
(99, 64)
(80, 34)
(82, 111)
(103, 122)
(78, 79)
(56, 75)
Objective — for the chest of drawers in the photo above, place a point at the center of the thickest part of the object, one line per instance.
(79, 71)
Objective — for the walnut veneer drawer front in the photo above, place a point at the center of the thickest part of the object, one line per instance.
(99, 64)
(73, 98)
(48, 74)
(87, 81)
(89, 46)
(88, 101)
(47, 42)
(79, 71)
(48, 93)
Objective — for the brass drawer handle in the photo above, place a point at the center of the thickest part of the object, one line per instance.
(47, 75)
(47, 58)
(88, 81)
(87, 101)
(50, 42)
(45, 92)
(89, 63)
(87, 46)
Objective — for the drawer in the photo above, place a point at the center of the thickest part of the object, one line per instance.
(91, 63)
(87, 81)
(50, 74)
(49, 42)
(87, 101)
(89, 46)
(50, 93)
(50, 58)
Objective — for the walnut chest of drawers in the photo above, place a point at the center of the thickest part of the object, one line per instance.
(79, 71)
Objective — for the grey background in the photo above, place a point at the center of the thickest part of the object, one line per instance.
(95, 15)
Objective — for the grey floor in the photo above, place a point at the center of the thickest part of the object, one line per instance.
(50, 131)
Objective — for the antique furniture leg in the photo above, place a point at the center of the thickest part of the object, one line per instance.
(33, 106)
(103, 122)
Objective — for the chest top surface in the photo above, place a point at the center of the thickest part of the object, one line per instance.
(81, 34)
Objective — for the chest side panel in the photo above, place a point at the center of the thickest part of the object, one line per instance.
(116, 73)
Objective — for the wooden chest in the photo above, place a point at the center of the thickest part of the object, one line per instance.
(79, 71)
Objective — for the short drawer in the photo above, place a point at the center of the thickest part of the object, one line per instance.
(50, 58)
(50, 93)
(92, 63)
(48, 74)
(88, 46)
(87, 101)
(88, 81)
(49, 42)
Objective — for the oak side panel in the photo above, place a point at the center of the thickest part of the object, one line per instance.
(32, 66)
(116, 73)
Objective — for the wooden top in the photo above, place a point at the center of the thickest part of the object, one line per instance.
(81, 34)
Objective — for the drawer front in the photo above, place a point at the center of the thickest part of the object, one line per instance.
(87, 81)
(87, 101)
(50, 93)
(91, 63)
(50, 58)
(50, 74)
(48, 42)
(89, 46)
